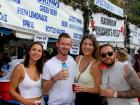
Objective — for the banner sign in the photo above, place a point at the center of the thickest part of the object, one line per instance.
(75, 49)
(42, 39)
(47, 16)
(105, 4)
(134, 34)
(107, 29)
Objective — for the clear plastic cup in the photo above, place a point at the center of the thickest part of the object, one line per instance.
(66, 74)
(103, 87)
(38, 102)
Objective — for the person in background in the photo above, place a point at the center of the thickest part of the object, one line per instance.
(58, 74)
(127, 50)
(3, 62)
(122, 56)
(121, 81)
(137, 62)
(88, 76)
(27, 77)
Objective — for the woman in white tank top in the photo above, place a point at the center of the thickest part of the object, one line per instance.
(88, 75)
(27, 77)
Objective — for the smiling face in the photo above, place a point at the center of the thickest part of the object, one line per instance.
(36, 52)
(87, 47)
(107, 55)
(64, 45)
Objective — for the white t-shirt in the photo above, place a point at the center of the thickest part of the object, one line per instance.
(61, 93)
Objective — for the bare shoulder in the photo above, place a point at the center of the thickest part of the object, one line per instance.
(95, 64)
(127, 69)
(18, 70)
(95, 67)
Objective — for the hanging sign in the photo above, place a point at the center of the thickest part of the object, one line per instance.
(107, 29)
(47, 16)
(134, 34)
(42, 39)
(75, 48)
(107, 5)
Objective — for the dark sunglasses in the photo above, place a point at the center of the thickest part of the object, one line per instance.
(109, 53)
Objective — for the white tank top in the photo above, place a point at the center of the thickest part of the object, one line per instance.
(29, 88)
(85, 78)
(114, 77)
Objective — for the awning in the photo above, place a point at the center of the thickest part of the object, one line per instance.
(114, 44)
(121, 45)
(24, 35)
(101, 43)
(52, 40)
(134, 46)
(5, 31)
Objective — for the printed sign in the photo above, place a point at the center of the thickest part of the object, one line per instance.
(105, 4)
(46, 16)
(106, 29)
(134, 34)
(42, 39)
(75, 48)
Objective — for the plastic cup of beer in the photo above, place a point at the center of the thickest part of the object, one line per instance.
(66, 74)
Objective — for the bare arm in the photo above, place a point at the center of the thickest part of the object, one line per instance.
(96, 74)
(48, 84)
(134, 83)
(16, 77)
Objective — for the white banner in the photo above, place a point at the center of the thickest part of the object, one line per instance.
(75, 49)
(42, 39)
(47, 16)
(134, 34)
(107, 29)
(105, 4)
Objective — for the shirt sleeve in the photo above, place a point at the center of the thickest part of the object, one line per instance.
(46, 74)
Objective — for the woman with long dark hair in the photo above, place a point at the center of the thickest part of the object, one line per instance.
(27, 77)
(88, 76)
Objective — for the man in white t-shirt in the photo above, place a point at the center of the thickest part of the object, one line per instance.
(57, 81)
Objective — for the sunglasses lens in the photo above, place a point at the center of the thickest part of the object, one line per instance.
(103, 55)
(110, 53)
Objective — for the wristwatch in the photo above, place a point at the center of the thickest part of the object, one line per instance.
(115, 94)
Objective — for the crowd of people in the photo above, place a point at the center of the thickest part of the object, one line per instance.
(99, 75)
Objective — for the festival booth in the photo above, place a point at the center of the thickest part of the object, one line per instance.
(39, 20)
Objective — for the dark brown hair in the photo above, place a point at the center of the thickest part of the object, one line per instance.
(95, 53)
(66, 35)
(39, 63)
(105, 45)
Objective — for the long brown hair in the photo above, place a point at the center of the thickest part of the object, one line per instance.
(95, 53)
(39, 63)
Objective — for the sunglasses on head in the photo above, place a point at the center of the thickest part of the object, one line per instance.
(109, 53)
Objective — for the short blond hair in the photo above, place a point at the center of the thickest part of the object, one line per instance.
(122, 55)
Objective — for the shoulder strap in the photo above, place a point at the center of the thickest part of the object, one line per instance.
(82, 71)
(79, 60)
(23, 68)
